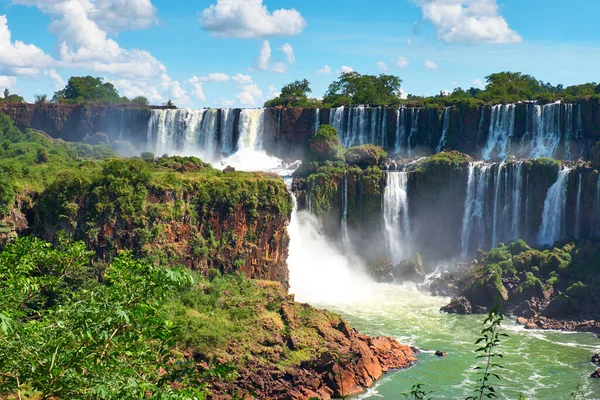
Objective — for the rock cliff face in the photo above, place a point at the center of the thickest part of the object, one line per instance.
(454, 205)
(566, 131)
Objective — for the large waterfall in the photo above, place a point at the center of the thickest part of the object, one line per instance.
(554, 215)
(546, 128)
(396, 219)
(360, 125)
(252, 122)
(346, 243)
(493, 210)
(192, 132)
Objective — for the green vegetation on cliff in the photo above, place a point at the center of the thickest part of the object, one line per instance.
(354, 88)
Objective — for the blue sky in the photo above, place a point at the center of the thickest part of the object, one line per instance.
(241, 52)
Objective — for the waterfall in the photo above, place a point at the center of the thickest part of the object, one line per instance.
(383, 125)
(516, 200)
(547, 135)
(400, 128)
(227, 129)
(346, 244)
(445, 127)
(502, 128)
(396, 218)
(497, 186)
(414, 129)
(578, 209)
(317, 119)
(251, 127)
(553, 217)
(121, 126)
(191, 132)
(473, 219)
(480, 127)
(568, 135)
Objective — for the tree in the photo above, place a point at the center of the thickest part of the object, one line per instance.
(294, 94)
(296, 89)
(88, 89)
(6, 93)
(40, 99)
(354, 88)
(140, 100)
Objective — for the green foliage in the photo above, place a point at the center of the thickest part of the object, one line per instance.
(325, 145)
(42, 156)
(88, 89)
(417, 393)
(40, 99)
(354, 88)
(490, 338)
(365, 155)
(140, 100)
(7, 195)
(11, 98)
(294, 94)
(66, 335)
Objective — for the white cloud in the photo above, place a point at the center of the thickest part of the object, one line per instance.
(288, 50)
(250, 95)
(471, 21)
(225, 103)
(119, 15)
(430, 65)
(18, 58)
(264, 56)
(478, 83)
(409, 41)
(250, 18)
(383, 67)
(242, 79)
(273, 92)
(345, 69)
(82, 27)
(326, 70)
(7, 82)
(215, 77)
(445, 93)
(401, 62)
(279, 68)
(59, 83)
(198, 90)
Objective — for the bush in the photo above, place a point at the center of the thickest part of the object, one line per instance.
(42, 156)
(365, 156)
(326, 145)
(7, 195)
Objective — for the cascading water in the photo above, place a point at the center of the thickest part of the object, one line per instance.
(502, 128)
(414, 129)
(445, 128)
(547, 133)
(251, 128)
(400, 128)
(191, 132)
(554, 214)
(317, 119)
(473, 229)
(396, 219)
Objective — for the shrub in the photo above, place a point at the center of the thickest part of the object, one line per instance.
(42, 156)
(326, 145)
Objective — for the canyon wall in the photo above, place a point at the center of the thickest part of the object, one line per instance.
(563, 131)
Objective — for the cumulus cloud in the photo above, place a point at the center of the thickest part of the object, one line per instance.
(344, 69)
(471, 21)
(18, 58)
(273, 92)
(383, 67)
(242, 79)
(59, 83)
(82, 28)
(401, 62)
(7, 82)
(288, 50)
(198, 90)
(250, 18)
(430, 65)
(264, 56)
(326, 70)
(478, 83)
(250, 95)
(215, 77)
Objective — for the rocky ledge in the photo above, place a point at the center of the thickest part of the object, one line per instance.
(294, 351)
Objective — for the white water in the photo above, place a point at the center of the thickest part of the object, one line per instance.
(396, 218)
(578, 209)
(400, 128)
(445, 128)
(317, 119)
(553, 217)
(473, 218)
(502, 128)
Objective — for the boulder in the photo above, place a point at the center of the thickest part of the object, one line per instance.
(521, 321)
(229, 168)
(595, 374)
(381, 269)
(458, 305)
(531, 325)
(440, 354)
(596, 359)
(410, 270)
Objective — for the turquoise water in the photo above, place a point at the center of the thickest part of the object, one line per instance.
(538, 364)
